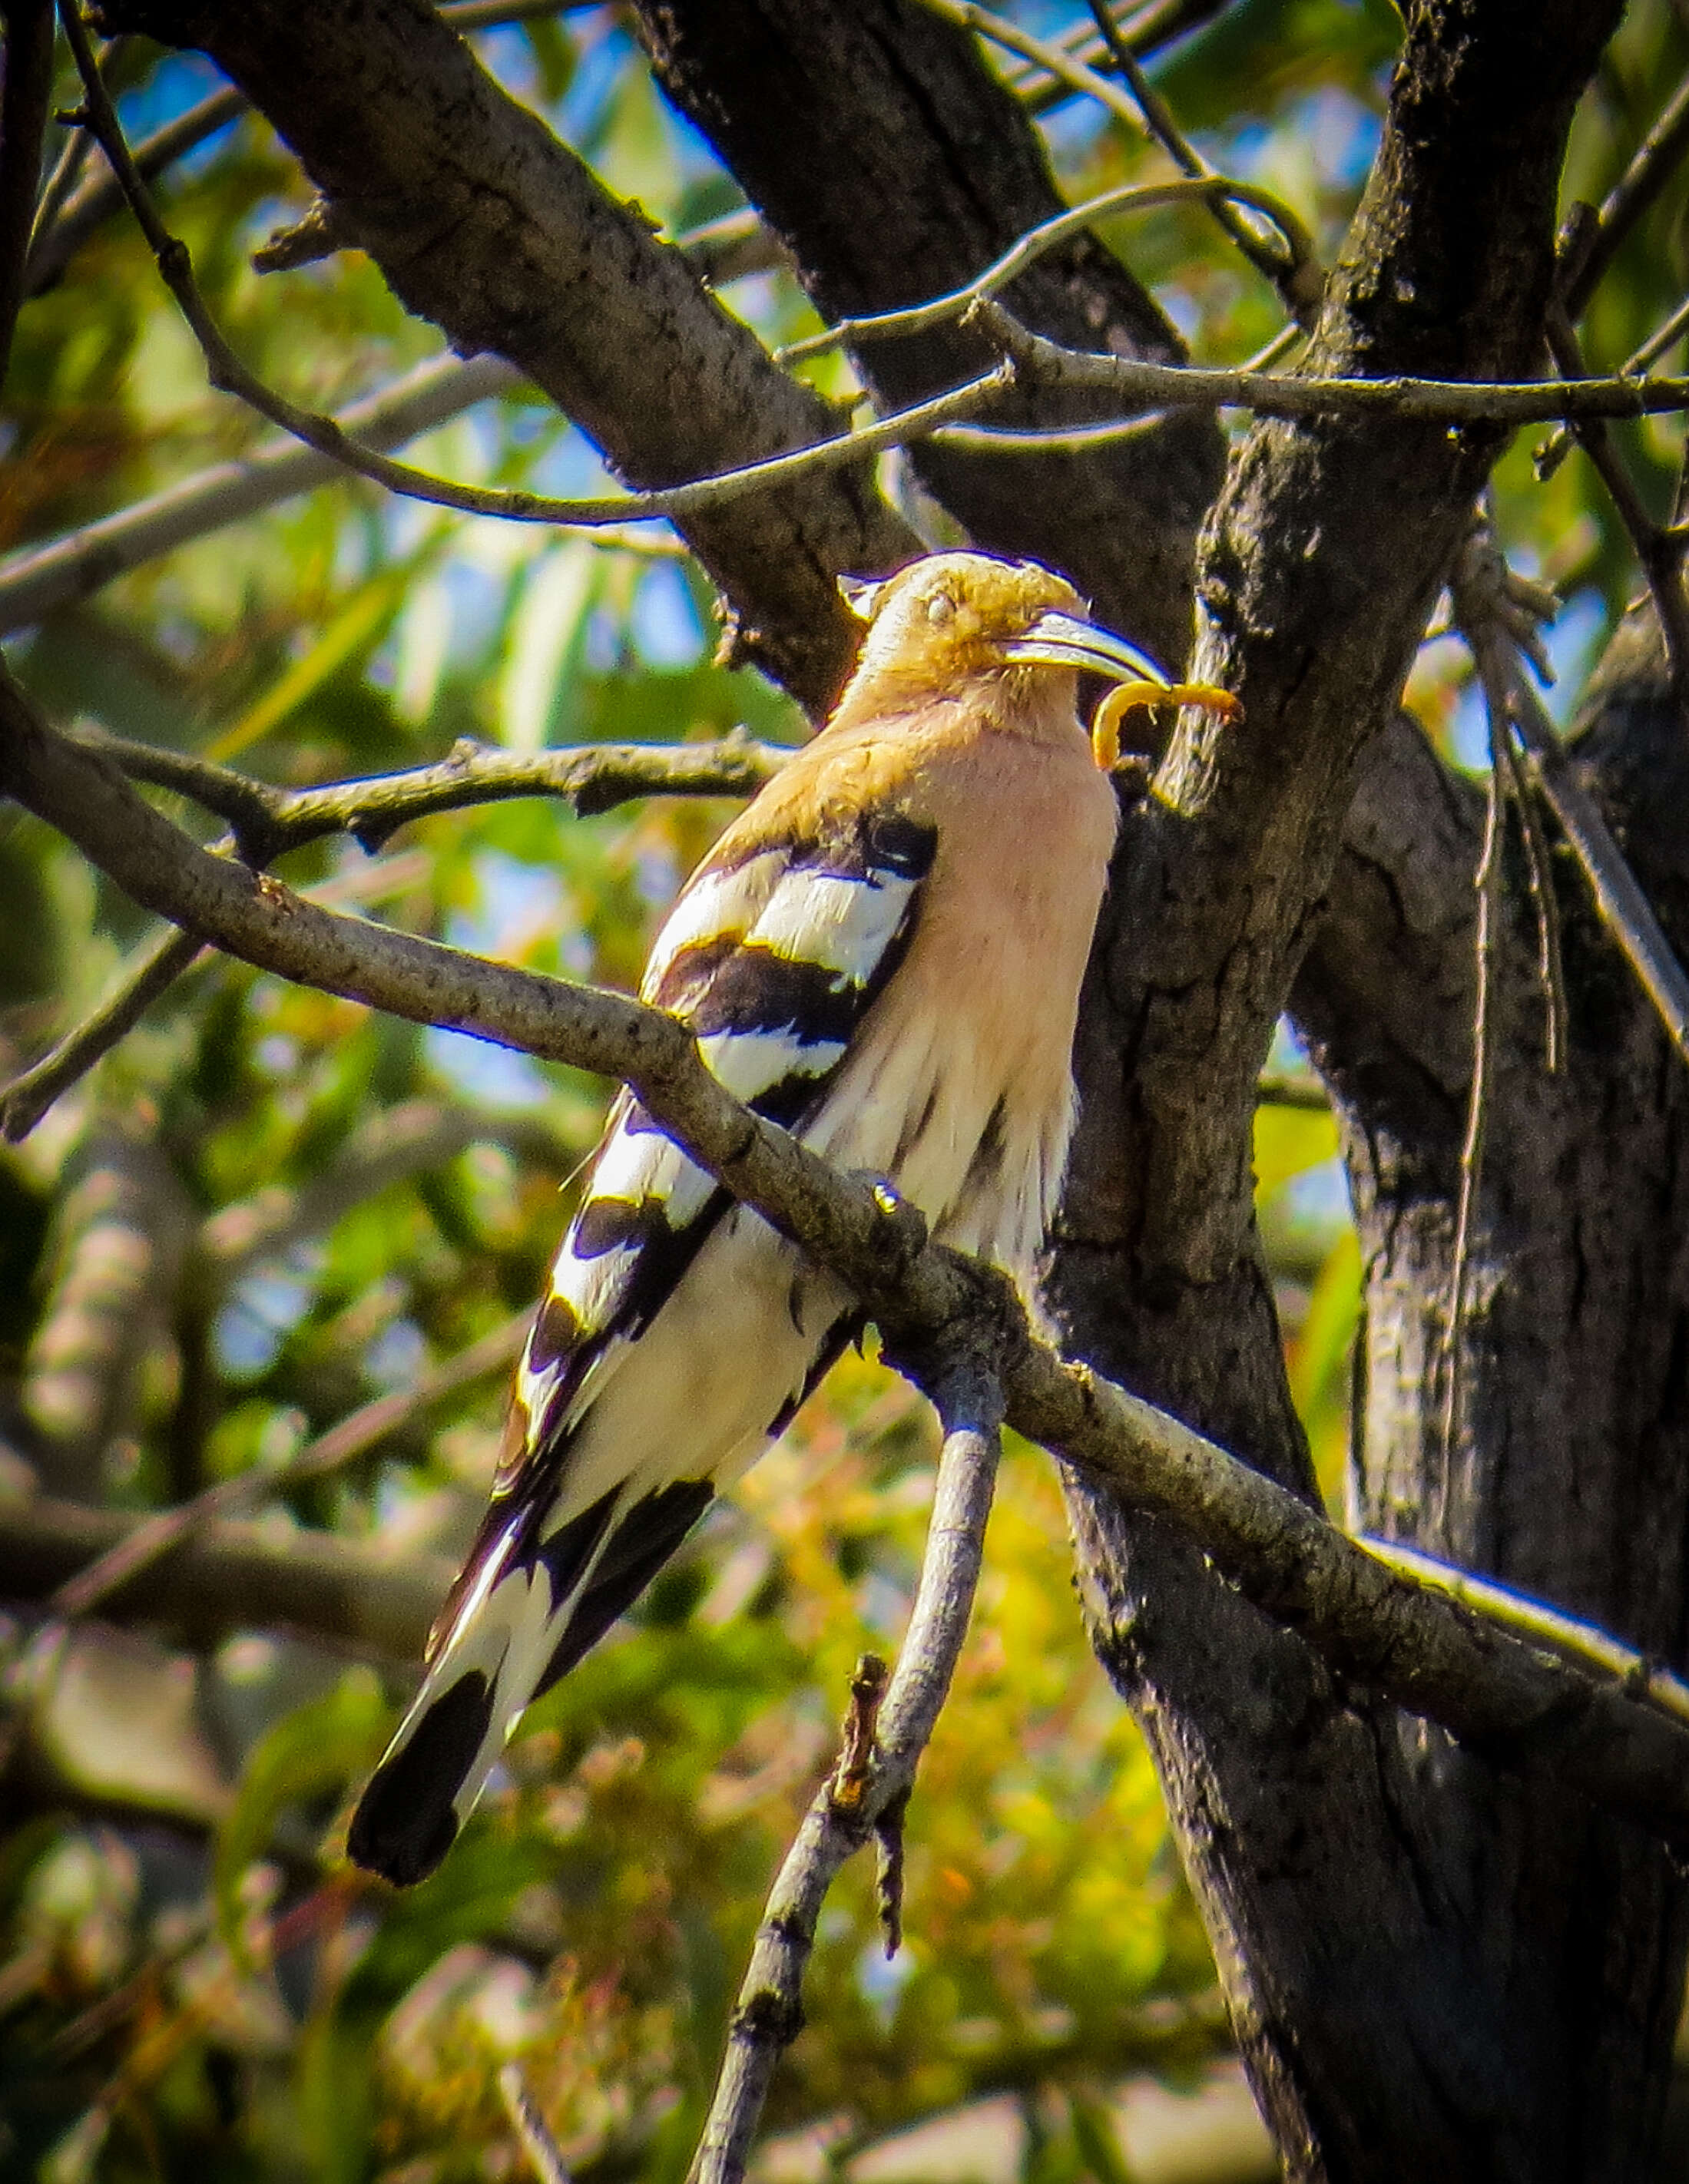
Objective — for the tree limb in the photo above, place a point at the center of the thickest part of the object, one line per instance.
(486, 223)
(1415, 1645)
(868, 1784)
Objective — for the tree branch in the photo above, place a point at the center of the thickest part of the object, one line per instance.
(270, 821)
(1399, 396)
(25, 86)
(1416, 1646)
(868, 1787)
(482, 221)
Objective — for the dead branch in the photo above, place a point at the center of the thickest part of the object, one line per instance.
(270, 821)
(874, 1771)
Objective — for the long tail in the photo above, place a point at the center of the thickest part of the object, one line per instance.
(524, 1612)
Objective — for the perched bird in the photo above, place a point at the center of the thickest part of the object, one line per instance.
(883, 954)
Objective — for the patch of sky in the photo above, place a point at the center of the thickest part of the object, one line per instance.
(880, 1980)
(264, 1309)
(1318, 1198)
(180, 80)
(1572, 640)
(663, 623)
(515, 902)
(505, 52)
(395, 1358)
(486, 1076)
(580, 113)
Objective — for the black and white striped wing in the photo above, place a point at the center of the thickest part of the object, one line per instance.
(773, 957)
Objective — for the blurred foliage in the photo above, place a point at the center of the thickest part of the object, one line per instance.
(208, 1985)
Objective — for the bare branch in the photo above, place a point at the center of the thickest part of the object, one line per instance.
(1488, 883)
(270, 821)
(1131, 197)
(1593, 251)
(267, 822)
(230, 376)
(1420, 1650)
(1145, 30)
(1269, 394)
(151, 972)
(873, 1774)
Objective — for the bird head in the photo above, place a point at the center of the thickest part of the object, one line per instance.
(952, 620)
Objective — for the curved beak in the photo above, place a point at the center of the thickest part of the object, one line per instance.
(1054, 639)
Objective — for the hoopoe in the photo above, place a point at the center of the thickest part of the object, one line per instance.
(882, 954)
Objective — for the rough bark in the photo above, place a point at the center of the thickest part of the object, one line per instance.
(483, 222)
(1574, 1333)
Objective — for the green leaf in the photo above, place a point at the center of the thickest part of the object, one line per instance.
(1288, 1142)
(316, 1749)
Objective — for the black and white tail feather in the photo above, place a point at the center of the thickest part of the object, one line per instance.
(679, 1333)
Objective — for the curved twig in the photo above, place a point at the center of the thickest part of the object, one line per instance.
(855, 1800)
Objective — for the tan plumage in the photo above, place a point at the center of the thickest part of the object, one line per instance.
(885, 953)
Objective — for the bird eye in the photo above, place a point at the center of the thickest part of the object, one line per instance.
(940, 607)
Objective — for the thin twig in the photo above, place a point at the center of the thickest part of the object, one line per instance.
(1635, 190)
(230, 376)
(1269, 394)
(269, 821)
(353, 1436)
(1286, 272)
(1660, 553)
(1417, 1648)
(1298, 276)
(1147, 29)
(1026, 251)
(1488, 883)
(150, 972)
(530, 2128)
(769, 2013)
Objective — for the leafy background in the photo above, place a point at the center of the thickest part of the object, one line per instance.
(188, 1975)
